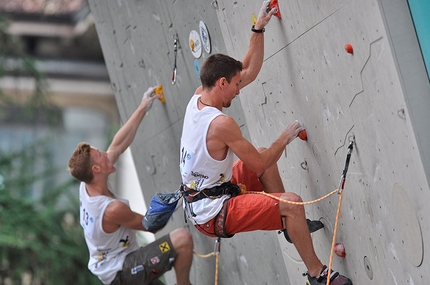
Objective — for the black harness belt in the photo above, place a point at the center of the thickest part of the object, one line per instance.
(227, 188)
(217, 191)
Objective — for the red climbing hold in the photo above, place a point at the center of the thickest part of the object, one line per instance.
(349, 49)
(339, 249)
(274, 3)
(303, 135)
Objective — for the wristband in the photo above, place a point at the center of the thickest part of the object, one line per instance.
(258, 31)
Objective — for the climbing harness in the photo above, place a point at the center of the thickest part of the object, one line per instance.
(219, 228)
(226, 188)
(190, 196)
(175, 49)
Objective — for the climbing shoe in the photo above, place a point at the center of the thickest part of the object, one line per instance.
(335, 278)
(312, 225)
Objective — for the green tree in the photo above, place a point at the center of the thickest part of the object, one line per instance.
(40, 238)
(36, 238)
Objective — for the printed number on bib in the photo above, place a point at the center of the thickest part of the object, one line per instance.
(87, 222)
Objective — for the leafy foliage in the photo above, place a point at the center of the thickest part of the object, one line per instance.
(40, 239)
(36, 237)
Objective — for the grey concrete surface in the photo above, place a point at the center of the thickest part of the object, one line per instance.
(379, 94)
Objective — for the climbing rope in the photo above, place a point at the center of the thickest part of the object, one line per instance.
(341, 187)
(308, 203)
(339, 191)
(292, 202)
(204, 255)
(216, 252)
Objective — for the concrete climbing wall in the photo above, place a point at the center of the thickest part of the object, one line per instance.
(307, 75)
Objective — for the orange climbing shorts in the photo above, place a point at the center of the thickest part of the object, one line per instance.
(247, 212)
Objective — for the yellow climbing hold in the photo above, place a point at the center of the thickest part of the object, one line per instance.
(254, 19)
(159, 90)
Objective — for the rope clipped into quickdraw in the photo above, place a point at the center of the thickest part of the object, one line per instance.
(216, 252)
(175, 50)
(341, 187)
(339, 191)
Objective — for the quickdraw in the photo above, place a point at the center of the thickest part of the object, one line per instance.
(345, 170)
(341, 187)
(175, 50)
(216, 252)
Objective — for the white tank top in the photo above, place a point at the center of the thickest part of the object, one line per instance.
(198, 169)
(107, 250)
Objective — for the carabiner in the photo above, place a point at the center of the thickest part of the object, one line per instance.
(175, 47)
(345, 170)
(217, 247)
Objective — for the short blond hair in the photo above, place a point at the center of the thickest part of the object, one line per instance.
(80, 163)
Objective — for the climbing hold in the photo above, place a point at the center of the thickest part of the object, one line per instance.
(339, 249)
(303, 135)
(159, 90)
(274, 3)
(253, 19)
(349, 49)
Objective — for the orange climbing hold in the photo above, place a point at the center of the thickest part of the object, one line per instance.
(303, 135)
(159, 90)
(349, 49)
(274, 3)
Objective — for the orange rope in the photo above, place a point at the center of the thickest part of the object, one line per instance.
(292, 202)
(216, 262)
(204, 255)
(243, 191)
(216, 267)
(307, 203)
(216, 253)
(334, 236)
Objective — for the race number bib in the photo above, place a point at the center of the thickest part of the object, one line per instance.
(185, 165)
(87, 222)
